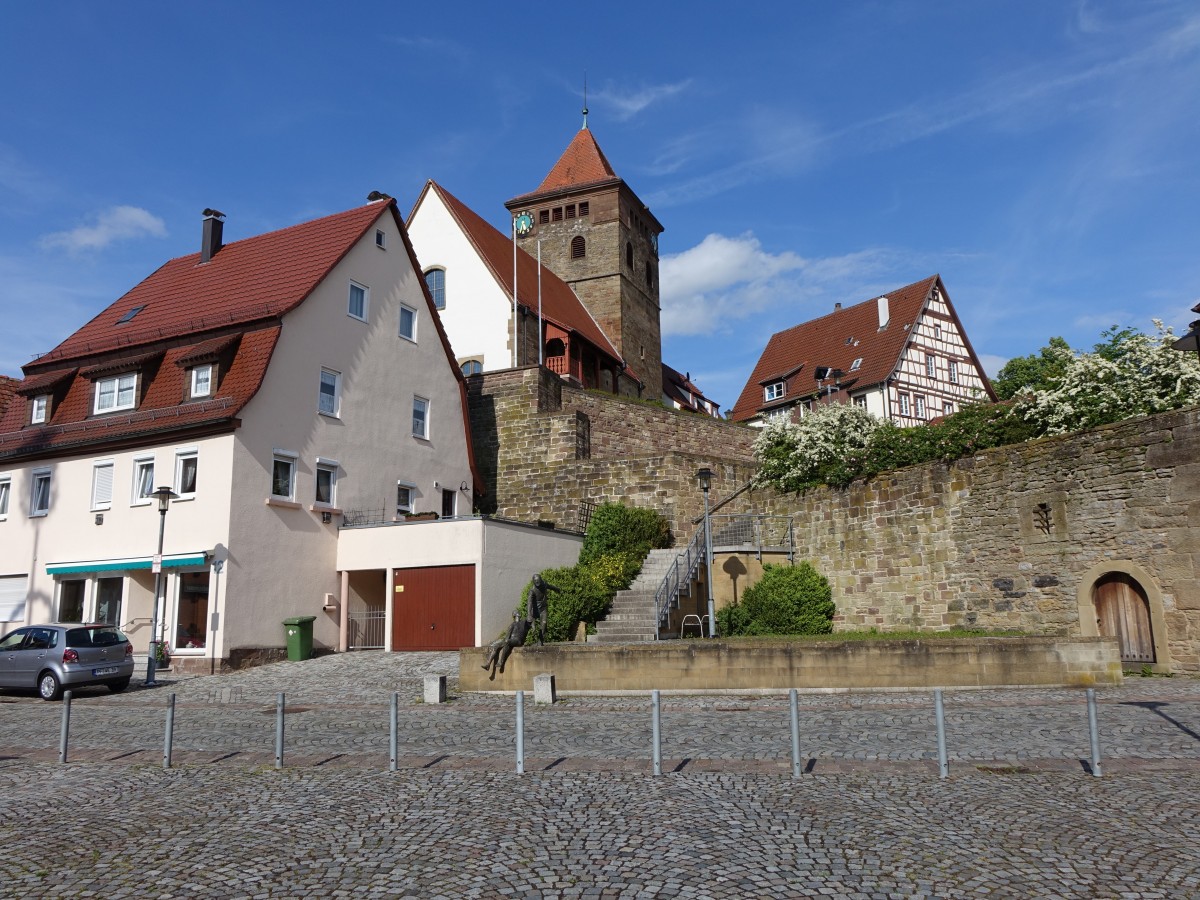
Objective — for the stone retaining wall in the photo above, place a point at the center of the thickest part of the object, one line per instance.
(716, 665)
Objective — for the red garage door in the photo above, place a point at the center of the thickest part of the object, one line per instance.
(433, 608)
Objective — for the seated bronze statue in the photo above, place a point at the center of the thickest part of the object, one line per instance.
(499, 650)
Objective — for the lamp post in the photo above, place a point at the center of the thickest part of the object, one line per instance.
(165, 495)
(704, 476)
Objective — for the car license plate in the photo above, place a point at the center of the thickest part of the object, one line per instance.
(110, 670)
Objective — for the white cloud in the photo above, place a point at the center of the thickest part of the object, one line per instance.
(724, 279)
(118, 223)
(628, 104)
(992, 363)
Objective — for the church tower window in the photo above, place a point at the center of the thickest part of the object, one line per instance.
(578, 247)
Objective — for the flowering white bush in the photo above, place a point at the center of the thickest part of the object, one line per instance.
(1134, 374)
(827, 446)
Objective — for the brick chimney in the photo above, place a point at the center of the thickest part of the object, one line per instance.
(210, 242)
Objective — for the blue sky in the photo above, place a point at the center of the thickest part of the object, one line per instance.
(1042, 156)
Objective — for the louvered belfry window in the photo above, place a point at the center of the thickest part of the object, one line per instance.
(578, 247)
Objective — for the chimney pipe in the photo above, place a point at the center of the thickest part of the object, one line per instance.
(210, 241)
(836, 307)
(885, 315)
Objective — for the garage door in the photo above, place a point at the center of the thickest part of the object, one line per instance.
(433, 608)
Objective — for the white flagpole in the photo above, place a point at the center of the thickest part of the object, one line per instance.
(541, 337)
(514, 336)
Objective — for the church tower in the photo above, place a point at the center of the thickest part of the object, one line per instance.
(599, 238)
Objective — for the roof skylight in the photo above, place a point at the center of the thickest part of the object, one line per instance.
(129, 315)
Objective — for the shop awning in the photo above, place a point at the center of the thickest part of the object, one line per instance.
(170, 561)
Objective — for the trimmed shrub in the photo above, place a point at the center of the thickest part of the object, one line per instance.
(788, 600)
(624, 530)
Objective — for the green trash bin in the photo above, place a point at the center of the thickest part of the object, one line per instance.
(299, 636)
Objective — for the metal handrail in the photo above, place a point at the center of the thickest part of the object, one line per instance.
(755, 532)
(681, 572)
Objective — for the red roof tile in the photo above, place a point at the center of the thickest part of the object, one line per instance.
(42, 383)
(582, 163)
(8, 390)
(560, 304)
(677, 385)
(836, 340)
(257, 278)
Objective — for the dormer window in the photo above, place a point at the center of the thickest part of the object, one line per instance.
(116, 393)
(773, 391)
(39, 408)
(202, 381)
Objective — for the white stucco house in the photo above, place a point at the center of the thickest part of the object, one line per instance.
(278, 384)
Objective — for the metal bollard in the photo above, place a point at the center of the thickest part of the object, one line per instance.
(279, 730)
(65, 732)
(1093, 731)
(520, 732)
(940, 715)
(656, 718)
(392, 743)
(169, 737)
(793, 702)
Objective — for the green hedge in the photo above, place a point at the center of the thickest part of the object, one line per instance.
(788, 600)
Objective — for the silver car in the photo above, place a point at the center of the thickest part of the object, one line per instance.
(51, 657)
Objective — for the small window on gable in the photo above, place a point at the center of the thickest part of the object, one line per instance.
(856, 365)
(329, 398)
(326, 492)
(119, 392)
(556, 214)
(202, 378)
(380, 239)
(570, 210)
(128, 317)
(408, 323)
(578, 247)
(420, 418)
(436, 279)
(583, 208)
(773, 391)
(283, 475)
(543, 216)
(356, 307)
(38, 408)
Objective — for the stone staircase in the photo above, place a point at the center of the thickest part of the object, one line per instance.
(632, 616)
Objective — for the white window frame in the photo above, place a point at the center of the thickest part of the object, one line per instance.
(432, 295)
(5, 494)
(337, 393)
(139, 465)
(952, 371)
(119, 384)
(773, 391)
(947, 408)
(919, 405)
(405, 308)
(37, 477)
(289, 459)
(930, 365)
(102, 484)
(856, 365)
(860, 401)
(412, 498)
(182, 455)
(199, 388)
(380, 238)
(366, 301)
(331, 467)
(424, 404)
(38, 407)
(905, 402)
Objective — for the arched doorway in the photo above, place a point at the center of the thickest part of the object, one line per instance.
(1123, 612)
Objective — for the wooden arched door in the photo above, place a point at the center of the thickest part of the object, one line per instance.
(1123, 612)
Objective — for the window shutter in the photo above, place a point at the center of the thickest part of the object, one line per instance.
(102, 484)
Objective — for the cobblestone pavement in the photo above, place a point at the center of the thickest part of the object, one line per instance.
(1019, 816)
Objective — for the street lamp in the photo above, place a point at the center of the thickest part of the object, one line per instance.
(165, 495)
(704, 476)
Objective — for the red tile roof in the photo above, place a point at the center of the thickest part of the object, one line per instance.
(677, 385)
(560, 304)
(8, 390)
(255, 279)
(582, 164)
(836, 340)
(72, 425)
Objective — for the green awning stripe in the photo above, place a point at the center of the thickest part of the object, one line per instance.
(123, 565)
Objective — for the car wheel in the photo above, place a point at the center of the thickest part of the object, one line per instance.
(49, 686)
(117, 686)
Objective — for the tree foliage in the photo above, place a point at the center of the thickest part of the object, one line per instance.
(1127, 374)
(788, 600)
